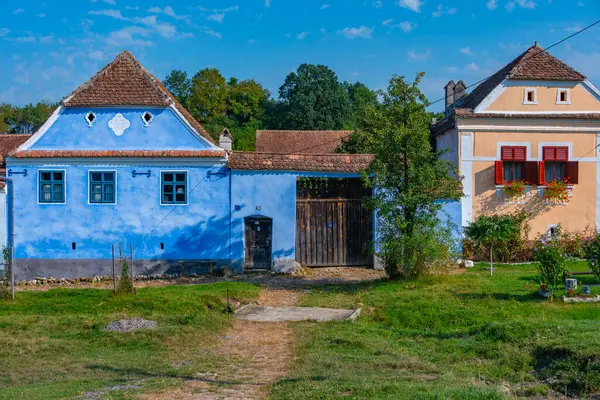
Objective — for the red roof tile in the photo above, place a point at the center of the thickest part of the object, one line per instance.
(9, 142)
(125, 82)
(118, 153)
(299, 142)
(534, 63)
(299, 162)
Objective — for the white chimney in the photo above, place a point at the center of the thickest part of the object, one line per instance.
(226, 140)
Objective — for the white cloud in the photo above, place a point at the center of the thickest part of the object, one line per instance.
(216, 17)
(529, 4)
(467, 51)
(351, 33)
(413, 5)
(302, 35)
(387, 22)
(4, 32)
(128, 37)
(419, 57)
(378, 4)
(18, 11)
(46, 39)
(111, 2)
(492, 4)
(168, 11)
(22, 39)
(116, 14)
(473, 67)
(96, 55)
(440, 11)
(209, 31)
(406, 26)
(325, 6)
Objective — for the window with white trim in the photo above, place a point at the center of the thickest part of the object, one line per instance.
(563, 96)
(530, 96)
(102, 187)
(52, 186)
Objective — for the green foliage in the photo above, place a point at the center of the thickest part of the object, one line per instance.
(552, 262)
(125, 284)
(178, 83)
(5, 292)
(208, 96)
(593, 254)
(361, 98)
(498, 232)
(26, 119)
(246, 100)
(313, 98)
(409, 178)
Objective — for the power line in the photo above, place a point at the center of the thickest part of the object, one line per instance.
(531, 56)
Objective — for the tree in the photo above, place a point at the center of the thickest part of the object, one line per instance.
(408, 179)
(313, 98)
(492, 230)
(246, 100)
(6, 111)
(208, 97)
(29, 118)
(178, 83)
(361, 97)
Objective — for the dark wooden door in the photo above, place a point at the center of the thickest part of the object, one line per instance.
(258, 242)
(333, 232)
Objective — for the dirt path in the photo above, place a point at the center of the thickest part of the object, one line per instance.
(256, 354)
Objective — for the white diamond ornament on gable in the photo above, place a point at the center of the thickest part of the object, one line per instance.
(119, 124)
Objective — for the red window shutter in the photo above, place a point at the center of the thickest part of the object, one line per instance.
(572, 172)
(541, 173)
(519, 153)
(562, 154)
(548, 153)
(499, 172)
(531, 172)
(507, 153)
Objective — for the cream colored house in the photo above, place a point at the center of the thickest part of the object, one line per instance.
(536, 120)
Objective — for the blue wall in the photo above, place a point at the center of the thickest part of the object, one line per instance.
(166, 132)
(196, 231)
(269, 194)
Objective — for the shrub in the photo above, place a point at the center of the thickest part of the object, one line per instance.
(5, 292)
(593, 255)
(125, 282)
(552, 262)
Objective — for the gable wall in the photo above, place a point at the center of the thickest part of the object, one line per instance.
(511, 99)
(166, 132)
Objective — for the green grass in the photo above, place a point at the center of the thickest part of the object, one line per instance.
(53, 344)
(464, 336)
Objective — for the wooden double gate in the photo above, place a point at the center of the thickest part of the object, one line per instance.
(333, 232)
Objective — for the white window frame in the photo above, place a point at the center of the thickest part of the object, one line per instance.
(147, 123)
(558, 93)
(535, 98)
(90, 124)
(90, 191)
(187, 185)
(64, 171)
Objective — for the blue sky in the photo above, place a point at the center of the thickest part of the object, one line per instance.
(48, 48)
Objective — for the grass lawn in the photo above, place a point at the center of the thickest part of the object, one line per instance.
(464, 336)
(53, 344)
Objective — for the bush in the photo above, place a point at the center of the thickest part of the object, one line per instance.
(593, 255)
(552, 262)
(125, 284)
(5, 292)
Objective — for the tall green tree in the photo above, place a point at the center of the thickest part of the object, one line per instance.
(408, 178)
(6, 111)
(178, 83)
(361, 97)
(208, 97)
(29, 118)
(246, 100)
(313, 98)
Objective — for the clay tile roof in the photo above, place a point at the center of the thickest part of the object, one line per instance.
(299, 162)
(299, 142)
(119, 153)
(534, 63)
(9, 142)
(125, 82)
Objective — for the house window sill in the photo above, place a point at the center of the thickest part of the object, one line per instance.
(520, 199)
(542, 190)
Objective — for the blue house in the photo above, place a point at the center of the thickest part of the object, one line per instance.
(122, 162)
